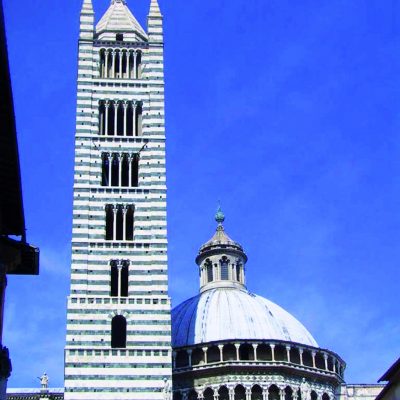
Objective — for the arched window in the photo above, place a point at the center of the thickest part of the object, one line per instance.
(120, 119)
(135, 171)
(238, 268)
(129, 223)
(114, 279)
(314, 395)
(125, 170)
(138, 117)
(110, 113)
(102, 113)
(209, 270)
(223, 393)
(256, 393)
(105, 165)
(120, 223)
(114, 170)
(138, 72)
(208, 394)
(273, 393)
(118, 332)
(124, 279)
(224, 263)
(240, 393)
(193, 395)
(109, 222)
(288, 393)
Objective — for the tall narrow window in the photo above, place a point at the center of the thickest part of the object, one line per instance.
(129, 223)
(209, 268)
(114, 279)
(120, 224)
(120, 120)
(125, 170)
(238, 268)
(115, 170)
(129, 119)
(102, 112)
(138, 65)
(118, 332)
(135, 171)
(124, 279)
(105, 165)
(224, 269)
(111, 119)
(138, 117)
(109, 222)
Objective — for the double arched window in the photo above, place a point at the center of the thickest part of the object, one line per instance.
(119, 284)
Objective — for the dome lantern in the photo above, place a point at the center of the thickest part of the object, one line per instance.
(221, 260)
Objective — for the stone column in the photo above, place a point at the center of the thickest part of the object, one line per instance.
(237, 351)
(128, 64)
(248, 393)
(113, 64)
(124, 224)
(130, 158)
(255, 345)
(221, 353)
(189, 352)
(119, 266)
(106, 107)
(231, 394)
(313, 353)
(288, 353)
(120, 54)
(301, 356)
(116, 106)
(134, 65)
(334, 364)
(125, 104)
(134, 105)
(106, 55)
(205, 355)
(265, 392)
(273, 351)
(120, 159)
(326, 361)
(282, 393)
(110, 163)
(115, 210)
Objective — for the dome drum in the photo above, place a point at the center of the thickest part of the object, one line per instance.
(268, 354)
(270, 387)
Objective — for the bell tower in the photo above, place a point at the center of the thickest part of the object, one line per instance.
(118, 343)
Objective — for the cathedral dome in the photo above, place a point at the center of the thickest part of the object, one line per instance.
(228, 314)
(224, 309)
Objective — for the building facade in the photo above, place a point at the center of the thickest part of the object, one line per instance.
(118, 343)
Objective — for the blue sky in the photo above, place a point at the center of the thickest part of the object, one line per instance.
(286, 111)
